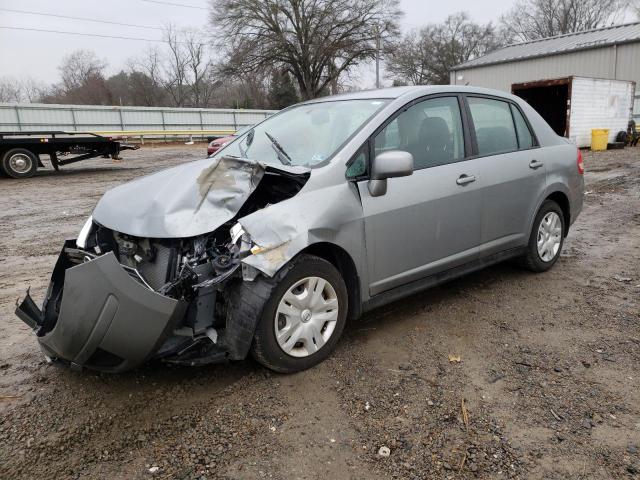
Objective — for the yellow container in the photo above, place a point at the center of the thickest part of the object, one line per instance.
(599, 139)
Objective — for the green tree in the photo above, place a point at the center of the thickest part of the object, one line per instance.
(282, 92)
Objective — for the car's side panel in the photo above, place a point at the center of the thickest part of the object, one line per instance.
(562, 175)
(423, 224)
(332, 214)
(510, 189)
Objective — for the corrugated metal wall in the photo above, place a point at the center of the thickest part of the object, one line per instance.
(620, 62)
(21, 117)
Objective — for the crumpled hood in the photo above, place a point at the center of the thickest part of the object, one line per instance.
(183, 201)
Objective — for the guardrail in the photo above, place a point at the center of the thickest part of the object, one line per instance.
(133, 120)
(166, 134)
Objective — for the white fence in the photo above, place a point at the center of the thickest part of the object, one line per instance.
(90, 118)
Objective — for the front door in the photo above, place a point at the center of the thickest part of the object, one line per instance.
(430, 221)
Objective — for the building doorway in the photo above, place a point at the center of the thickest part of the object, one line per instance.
(550, 98)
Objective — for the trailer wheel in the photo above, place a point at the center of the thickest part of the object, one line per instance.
(19, 163)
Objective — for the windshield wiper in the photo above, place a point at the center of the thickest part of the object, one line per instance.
(282, 154)
(249, 140)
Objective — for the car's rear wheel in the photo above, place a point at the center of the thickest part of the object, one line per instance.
(304, 317)
(547, 238)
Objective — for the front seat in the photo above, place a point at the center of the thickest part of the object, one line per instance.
(435, 139)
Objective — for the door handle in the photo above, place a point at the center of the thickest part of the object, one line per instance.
(535, 164)
(465, 179)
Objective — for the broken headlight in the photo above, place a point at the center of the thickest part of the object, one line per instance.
(81, 241)
(242, 239)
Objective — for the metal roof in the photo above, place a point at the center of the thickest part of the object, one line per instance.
(569, 42)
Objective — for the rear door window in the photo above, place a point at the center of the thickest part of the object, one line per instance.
(494, 127)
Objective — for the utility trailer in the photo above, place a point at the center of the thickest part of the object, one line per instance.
(20, 151)
(573, 106)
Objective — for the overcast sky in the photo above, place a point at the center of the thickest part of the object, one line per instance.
(38, 54)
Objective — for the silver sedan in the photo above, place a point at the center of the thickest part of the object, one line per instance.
(321, 212)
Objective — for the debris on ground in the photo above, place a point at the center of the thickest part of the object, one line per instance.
(620, 278)
(215, 422)
(384, 451)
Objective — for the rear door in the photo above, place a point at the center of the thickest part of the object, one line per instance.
(513, 174)
(429, 221)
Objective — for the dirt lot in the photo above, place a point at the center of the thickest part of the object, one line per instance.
(548, 374)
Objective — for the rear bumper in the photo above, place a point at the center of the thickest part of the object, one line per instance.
(96, 315)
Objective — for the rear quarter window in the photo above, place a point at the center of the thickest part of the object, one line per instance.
(525, 138)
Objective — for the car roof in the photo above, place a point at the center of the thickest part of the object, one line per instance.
(410, 91)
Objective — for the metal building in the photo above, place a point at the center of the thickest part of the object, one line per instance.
(606, 53)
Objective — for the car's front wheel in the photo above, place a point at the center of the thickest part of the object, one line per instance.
(547, 238)
(303, 319)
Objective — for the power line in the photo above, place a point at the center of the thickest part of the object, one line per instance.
(175, 4)
(82, 34)
(118, 37)
(78, 18)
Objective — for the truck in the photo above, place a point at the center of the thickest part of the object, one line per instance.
(573, 106)
(20, 151)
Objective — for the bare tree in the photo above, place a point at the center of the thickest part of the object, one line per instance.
(202, 77)
(183, 69)
(174, 68)
(315, 41)
(534, 19)
(79, 67)
(10, 90)
(32, 90)
(426, 56)
(25, 89)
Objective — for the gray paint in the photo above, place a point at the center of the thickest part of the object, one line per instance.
(330, 209)
(426, 224)
(183, 201)
(380, 234)
(103, 307)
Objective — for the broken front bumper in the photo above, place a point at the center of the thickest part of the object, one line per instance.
(96, 315)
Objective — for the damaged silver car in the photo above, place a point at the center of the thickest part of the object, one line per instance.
(323, 211)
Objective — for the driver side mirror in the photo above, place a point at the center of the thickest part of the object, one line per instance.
(395, 163)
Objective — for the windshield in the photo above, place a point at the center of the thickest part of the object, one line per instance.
(305, 135)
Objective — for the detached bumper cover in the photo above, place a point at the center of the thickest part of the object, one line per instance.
(96, 315)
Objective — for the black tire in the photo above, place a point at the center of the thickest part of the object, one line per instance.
(532, 259)
(265, 348)
(26, 157)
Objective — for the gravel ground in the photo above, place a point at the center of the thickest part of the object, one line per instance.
(547, 385)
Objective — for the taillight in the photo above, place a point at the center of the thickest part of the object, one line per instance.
(580, 163)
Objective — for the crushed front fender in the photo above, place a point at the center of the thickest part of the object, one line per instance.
(97, 316)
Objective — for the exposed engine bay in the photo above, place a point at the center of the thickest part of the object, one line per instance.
(196, 279)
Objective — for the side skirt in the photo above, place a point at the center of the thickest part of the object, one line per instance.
(431, 281)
